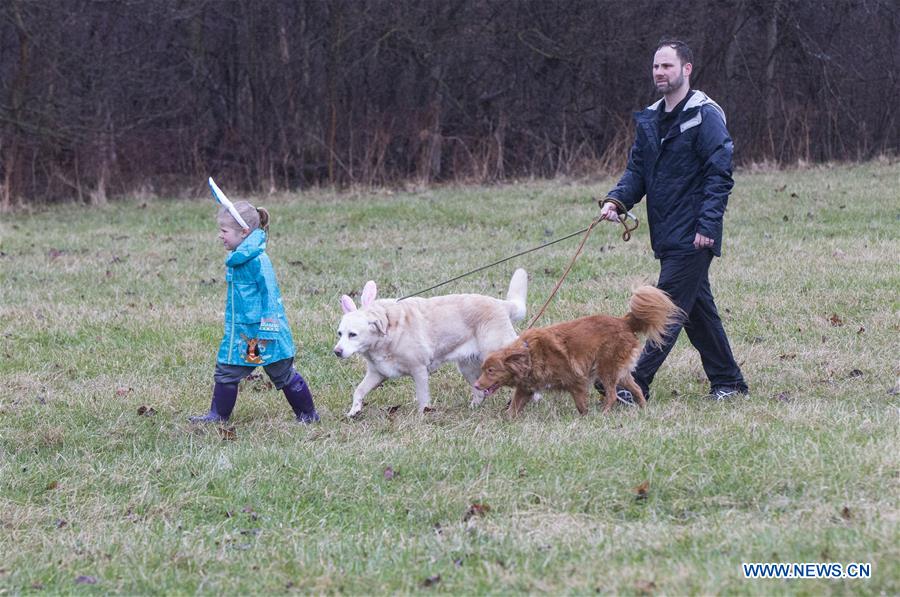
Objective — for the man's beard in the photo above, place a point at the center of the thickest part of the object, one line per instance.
(665, 87)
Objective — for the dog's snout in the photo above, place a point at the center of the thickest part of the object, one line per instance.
(338, 352)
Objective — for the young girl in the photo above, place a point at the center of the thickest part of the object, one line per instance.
(256, 328)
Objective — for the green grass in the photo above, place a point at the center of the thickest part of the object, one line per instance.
(106, 310)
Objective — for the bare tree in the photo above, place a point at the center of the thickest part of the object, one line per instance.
(100, 98)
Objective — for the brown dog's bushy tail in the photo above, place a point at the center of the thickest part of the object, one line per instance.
(650, 312)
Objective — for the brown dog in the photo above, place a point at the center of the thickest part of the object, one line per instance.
(569, 356)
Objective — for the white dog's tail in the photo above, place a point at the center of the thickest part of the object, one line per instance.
(516, 295)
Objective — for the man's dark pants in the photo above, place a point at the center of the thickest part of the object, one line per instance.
(686, 279)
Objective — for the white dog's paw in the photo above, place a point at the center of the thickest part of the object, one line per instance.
(536, 397)
(355, 410)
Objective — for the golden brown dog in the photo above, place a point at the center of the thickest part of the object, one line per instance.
(569, 356)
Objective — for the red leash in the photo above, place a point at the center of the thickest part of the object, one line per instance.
(626, 236)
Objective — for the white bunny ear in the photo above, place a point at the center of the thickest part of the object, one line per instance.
(368, 293)
(221, 198)
(347, 304)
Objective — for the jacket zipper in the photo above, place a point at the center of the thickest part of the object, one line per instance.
(231, 302)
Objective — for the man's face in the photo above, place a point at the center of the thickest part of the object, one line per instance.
(669, 74)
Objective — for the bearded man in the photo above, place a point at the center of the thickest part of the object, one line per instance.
(681, 161)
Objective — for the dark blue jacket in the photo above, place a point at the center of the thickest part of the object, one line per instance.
(686, 176)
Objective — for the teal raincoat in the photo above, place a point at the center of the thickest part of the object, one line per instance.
(256, 327)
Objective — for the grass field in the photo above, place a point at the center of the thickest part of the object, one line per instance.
(113, 311)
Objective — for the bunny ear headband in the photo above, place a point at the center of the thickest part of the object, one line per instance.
(221, 198)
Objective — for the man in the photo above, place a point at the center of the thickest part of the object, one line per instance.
(681, 160)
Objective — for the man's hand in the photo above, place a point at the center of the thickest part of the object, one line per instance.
(609, 212)
(702, 242)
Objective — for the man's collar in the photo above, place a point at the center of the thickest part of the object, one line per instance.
(687, 94)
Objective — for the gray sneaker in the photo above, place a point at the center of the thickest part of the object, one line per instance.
(625, 397)
(721, 393)
(622, 395)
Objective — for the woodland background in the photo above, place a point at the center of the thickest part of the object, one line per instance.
(100, 98)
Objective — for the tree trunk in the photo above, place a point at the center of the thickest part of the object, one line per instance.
(771, 47)
(12, 158)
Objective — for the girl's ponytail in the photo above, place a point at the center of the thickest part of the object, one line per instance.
(263, 218)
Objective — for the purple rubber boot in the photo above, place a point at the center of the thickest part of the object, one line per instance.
(224, 397)
(301, 400)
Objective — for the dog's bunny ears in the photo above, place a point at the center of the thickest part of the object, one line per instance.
(347, 304)
(368, 296)
(368, 293)
(221, 198)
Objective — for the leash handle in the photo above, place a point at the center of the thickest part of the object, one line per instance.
(624, 215)
(623, 219)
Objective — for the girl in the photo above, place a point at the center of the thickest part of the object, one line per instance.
(256, 328)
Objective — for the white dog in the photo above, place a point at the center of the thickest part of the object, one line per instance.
(415, 336)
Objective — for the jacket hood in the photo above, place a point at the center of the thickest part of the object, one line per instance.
(697, 99)
(253, 246)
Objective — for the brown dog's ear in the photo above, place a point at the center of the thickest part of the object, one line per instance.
(518, 363)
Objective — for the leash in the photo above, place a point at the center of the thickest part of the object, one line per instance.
(474, 271)
(568, 269)
(624, 216)
(626, 236)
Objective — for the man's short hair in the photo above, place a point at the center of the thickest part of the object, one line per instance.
(681, 49)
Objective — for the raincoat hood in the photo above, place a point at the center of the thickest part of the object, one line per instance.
(697, 100)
